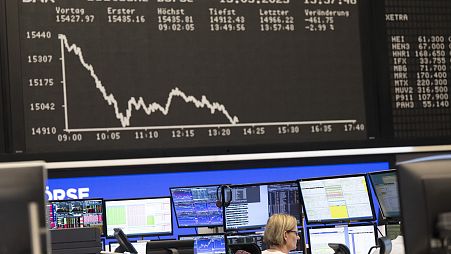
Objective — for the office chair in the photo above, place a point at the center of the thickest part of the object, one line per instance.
(384, 245)
(339, 248)
(252, 248)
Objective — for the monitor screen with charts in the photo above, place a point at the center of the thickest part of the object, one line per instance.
(80, 213)
(252, 205)
(336, 199)
(359, 239)
(207, 244)
(145, 216)
(385, 185)
(247, 238)
(196, 206)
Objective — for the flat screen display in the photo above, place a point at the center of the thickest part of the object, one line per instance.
(336, 199)
(207, 244)
(80, 213)
(385, 185)
(252, 205)
(180, 74)
(359, 239)
(247, 238)
(196, 206)
(145, 216)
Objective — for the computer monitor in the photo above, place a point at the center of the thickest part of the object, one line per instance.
(168, 247)
(196, 206)
(79, 213)
(385, 186)
(22, 208)
(140, 247)
(207, 244)
(424, 188)
(358, 238)
(252, 205)
(335, 199)
(257, 238)
(139, 217)
(244, 238)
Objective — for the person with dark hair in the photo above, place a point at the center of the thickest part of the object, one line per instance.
(281, 234)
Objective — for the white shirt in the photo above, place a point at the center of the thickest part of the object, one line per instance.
(397, 246)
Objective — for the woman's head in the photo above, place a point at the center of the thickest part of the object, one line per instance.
(281, 231)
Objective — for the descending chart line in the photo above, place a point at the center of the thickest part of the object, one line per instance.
(133, 103)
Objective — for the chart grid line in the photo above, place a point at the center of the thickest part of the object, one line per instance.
(63, 70)
(213, 126)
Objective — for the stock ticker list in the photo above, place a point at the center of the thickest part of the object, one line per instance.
(419, 43)
(143, 74)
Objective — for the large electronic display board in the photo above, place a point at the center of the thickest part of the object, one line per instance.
(223, 76)
(104, 75)
(418, 43)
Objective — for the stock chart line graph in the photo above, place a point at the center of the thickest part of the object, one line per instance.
(150, 108)
(136, 85)
(133, 103)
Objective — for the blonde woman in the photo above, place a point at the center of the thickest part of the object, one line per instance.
(281, 234)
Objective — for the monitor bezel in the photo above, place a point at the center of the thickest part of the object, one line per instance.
(385, 217)
(255, 227)
(103, 233)
(307, 232)
(146, 234)
(341, 220)
(420, 182)
(24, 184)
(199, 225)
